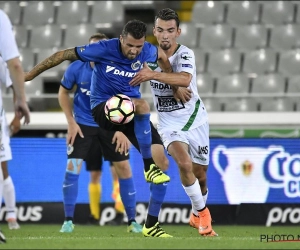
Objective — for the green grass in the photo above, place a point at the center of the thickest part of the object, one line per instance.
(110, 237)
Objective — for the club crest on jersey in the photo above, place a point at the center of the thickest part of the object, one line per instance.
(82, 49)
(136, 65)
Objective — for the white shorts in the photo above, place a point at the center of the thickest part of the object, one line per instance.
(197, 139)
(5, 150)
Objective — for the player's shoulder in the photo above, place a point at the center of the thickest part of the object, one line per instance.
(184, 51)
(110, 43)
(77, 66)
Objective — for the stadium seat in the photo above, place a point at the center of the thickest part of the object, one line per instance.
(21, 34)
(285, 37)
(108, 13)
(13, 10)
(277, 104)
(277, 12)
(241, 104)
(27, 58)
(294, 85)
(200, 60)
(76, 35)
(233, 84)
(72, 12)
(224, 62)
(205, 84)
(289, 62)
(297, 18)
(45, 36)
(269, 84)
(38, 13)
(189, 35)
(260, 61)
(243, 12)
(207, 12)
(216, 37)
(212, 104)
(249, 37)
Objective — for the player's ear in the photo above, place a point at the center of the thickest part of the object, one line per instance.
(121, 38)
(178, 32)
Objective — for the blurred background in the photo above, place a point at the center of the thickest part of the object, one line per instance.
(248, 76)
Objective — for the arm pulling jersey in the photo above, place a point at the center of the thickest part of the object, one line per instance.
(113, 71)
(79, 73)
(176, 114)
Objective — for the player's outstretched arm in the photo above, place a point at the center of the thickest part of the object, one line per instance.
(50, 62)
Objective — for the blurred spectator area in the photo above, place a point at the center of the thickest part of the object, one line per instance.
(247, 52)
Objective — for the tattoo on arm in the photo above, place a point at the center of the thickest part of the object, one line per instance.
(53, 60)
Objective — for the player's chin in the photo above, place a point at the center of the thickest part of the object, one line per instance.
(131, 57)
(165, 46)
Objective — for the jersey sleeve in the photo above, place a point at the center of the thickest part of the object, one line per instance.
(91, 52)
(8, 45)
(151, 52)
(186, 61)
(8, 81)
(69, 78)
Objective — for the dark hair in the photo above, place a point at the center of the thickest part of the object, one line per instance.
(167, 14)
(137, 29)
(98, 36)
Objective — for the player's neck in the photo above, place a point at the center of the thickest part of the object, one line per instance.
(170, 52)
(92, 64)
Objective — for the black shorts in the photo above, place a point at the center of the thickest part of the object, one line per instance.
(95, 145)
(127, 129)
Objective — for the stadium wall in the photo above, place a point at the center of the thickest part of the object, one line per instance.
(245, 175)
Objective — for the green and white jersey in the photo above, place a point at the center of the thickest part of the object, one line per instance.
(176, 114)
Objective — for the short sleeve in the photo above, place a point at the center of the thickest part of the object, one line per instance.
(186, 61)
(91, 52)
(151, 52)
(8, 45)
(69, 78)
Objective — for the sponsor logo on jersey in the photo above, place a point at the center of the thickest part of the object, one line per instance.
(161, 86)
(136, 65)
(119, 72)
(86, 91)
(185, 56)
(187, 66)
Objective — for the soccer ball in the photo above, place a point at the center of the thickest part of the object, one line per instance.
(119, 109)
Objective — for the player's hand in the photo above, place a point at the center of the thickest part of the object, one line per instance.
(73, 130)
(182, 93)
(143, 75)
(122, 143)
(15, 126)
(22, 110)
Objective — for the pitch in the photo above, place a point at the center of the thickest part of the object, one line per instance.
(115, 237)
